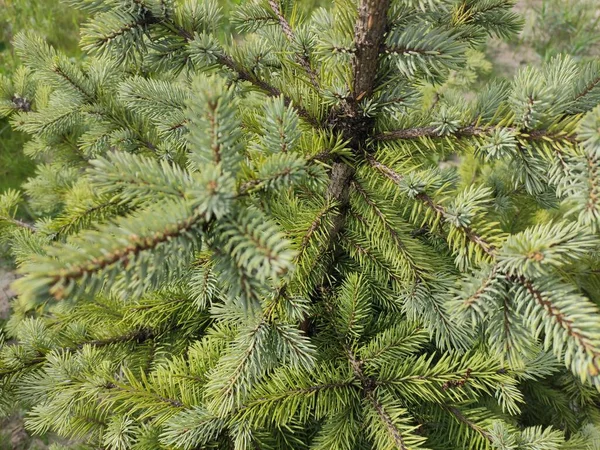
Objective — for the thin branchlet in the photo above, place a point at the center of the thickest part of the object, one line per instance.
(562, 320)
(138, 336)
(302, 59)
(488, 248)
(474, 131)
(137, 245)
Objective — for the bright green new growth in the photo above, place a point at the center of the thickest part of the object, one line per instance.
(263, 243)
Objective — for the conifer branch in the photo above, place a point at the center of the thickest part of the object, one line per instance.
(418, 272)
(137, 245)
(245, 75)
(469, 423)
(369, 385)
(588, 88)
(289, 34)
(18, 222)
(489, 279)
(367, 252)
(138, 336)
(396, 434)
(488, 248)
(283, 395)
(270, 90)
(70, 222)
(122, 253)
(314, 226)
(222, 58)
(56, 66)
(563, 321)
(139, 22)
(125, 389)
(58, 70)
(36, 361)
(433, 132)
(234, 373)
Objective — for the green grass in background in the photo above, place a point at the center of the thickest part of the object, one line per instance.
(14, 166)
(59, 24)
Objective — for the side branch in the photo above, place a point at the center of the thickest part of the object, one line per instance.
(558, 314)
(368, 386)
(589, 88)
(137, 244)
(472, 299)
(388, 422)
(138, 336)
(563, 320)
(246, 75)
(289, 34)
(459, 416)
(488, 248)
(472, 131)
(18, 223)
(270, 90)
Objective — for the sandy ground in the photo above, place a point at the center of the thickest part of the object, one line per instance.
(509, 59)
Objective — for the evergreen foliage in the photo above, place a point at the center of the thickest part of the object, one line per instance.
(264, 243)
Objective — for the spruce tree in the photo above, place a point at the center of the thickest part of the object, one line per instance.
(274, 240)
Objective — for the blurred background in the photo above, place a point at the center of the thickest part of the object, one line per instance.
(550, 27)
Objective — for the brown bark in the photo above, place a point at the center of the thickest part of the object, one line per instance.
(369, 32)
